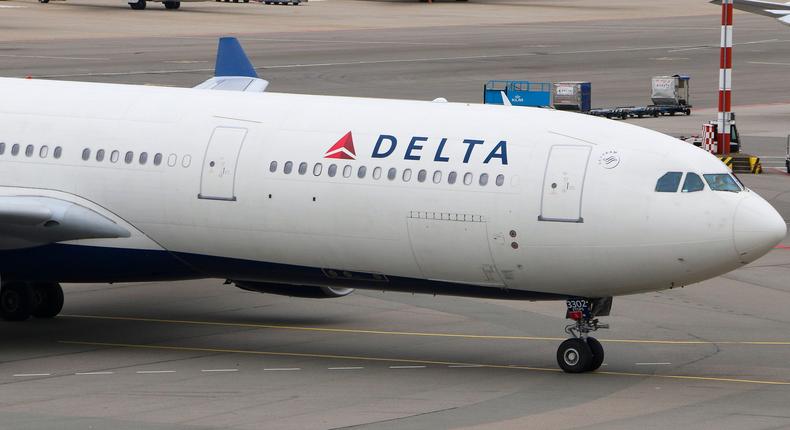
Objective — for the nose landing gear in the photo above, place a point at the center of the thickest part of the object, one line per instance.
(582, 352)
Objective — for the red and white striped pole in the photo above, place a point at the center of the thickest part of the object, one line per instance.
(725, 79)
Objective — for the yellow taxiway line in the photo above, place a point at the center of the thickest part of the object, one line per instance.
(423, 334)
(413, 361)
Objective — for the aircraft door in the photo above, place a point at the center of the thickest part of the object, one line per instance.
(563, 183)
(452, 247)
(218, 176)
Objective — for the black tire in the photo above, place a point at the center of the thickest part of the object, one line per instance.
(138, 5)
(47, 299)
(16, 301)
(574, 356)
(597, 354)
(43, 1)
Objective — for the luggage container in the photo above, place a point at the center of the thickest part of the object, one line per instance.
(671, 90)
(517, 93)
(573, 96)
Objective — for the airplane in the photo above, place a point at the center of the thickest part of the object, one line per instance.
(317, 196)
(780, 11)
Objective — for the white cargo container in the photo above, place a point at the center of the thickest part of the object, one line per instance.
(670, 90)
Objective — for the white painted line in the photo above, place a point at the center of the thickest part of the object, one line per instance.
(49, 57)
(345, 368)
(345, 41)
(18, 7)
(768, 63)
(282, 368)
(653, 364)
(94, 373)
(220, 370)
(460, 366)
(155, 371)
(23, 375)
(407, 367)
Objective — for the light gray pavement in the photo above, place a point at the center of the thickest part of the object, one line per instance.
(200, 354)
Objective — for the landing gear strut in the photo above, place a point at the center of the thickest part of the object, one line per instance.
(20, 300)
(582, 352)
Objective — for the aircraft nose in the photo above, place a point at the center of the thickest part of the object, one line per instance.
(757, 228)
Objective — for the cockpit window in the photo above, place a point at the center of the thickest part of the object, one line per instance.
(693, 183)
(738, 180)
(722, 182)
(669, 182)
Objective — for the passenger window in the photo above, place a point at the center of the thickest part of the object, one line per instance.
(317, 169)
(100, 155)
(500, 180)
(484, 179)
(44, 151)
(186, 161)
(722, 182)
(158, 159)
(288, 167)
(29, 151)
(272, 166)
(15, 149)
(406, 175)
(377, 173)
(2, 148)
(669, 182)
(437, 176)
(391, 173)
(302, 168)
(693, 183)
(58, 152)
(86, 153)
(115, 155)
(332, 171)
(451, 177)
(171, 159)
(143, 158)
(468, 178)
(422, 175)
(347, 171)
(129, 157)
(361, 172)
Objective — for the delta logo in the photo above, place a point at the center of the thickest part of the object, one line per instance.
(343, 149)
(419, 147)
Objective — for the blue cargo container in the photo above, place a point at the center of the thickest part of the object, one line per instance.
(519, 93)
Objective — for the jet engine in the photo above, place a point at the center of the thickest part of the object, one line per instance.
(307, 291)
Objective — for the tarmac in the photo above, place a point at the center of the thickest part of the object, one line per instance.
(200, 354)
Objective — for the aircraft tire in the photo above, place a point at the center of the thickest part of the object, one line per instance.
(172, 4)
(43, 1)
(597, 354)
(16, 301)
(138, 5)
(574, 356)
(47, 299)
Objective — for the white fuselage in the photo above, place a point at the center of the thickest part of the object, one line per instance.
(576, 213)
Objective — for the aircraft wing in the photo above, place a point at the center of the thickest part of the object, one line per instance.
(780, 11)
(233, 70)
(28, 221)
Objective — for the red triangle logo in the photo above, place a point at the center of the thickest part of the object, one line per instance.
(343, 149)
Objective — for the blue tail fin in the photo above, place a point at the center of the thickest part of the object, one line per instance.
(231, 59)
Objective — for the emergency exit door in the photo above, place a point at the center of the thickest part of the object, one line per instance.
(563, 183)
(218, 177)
